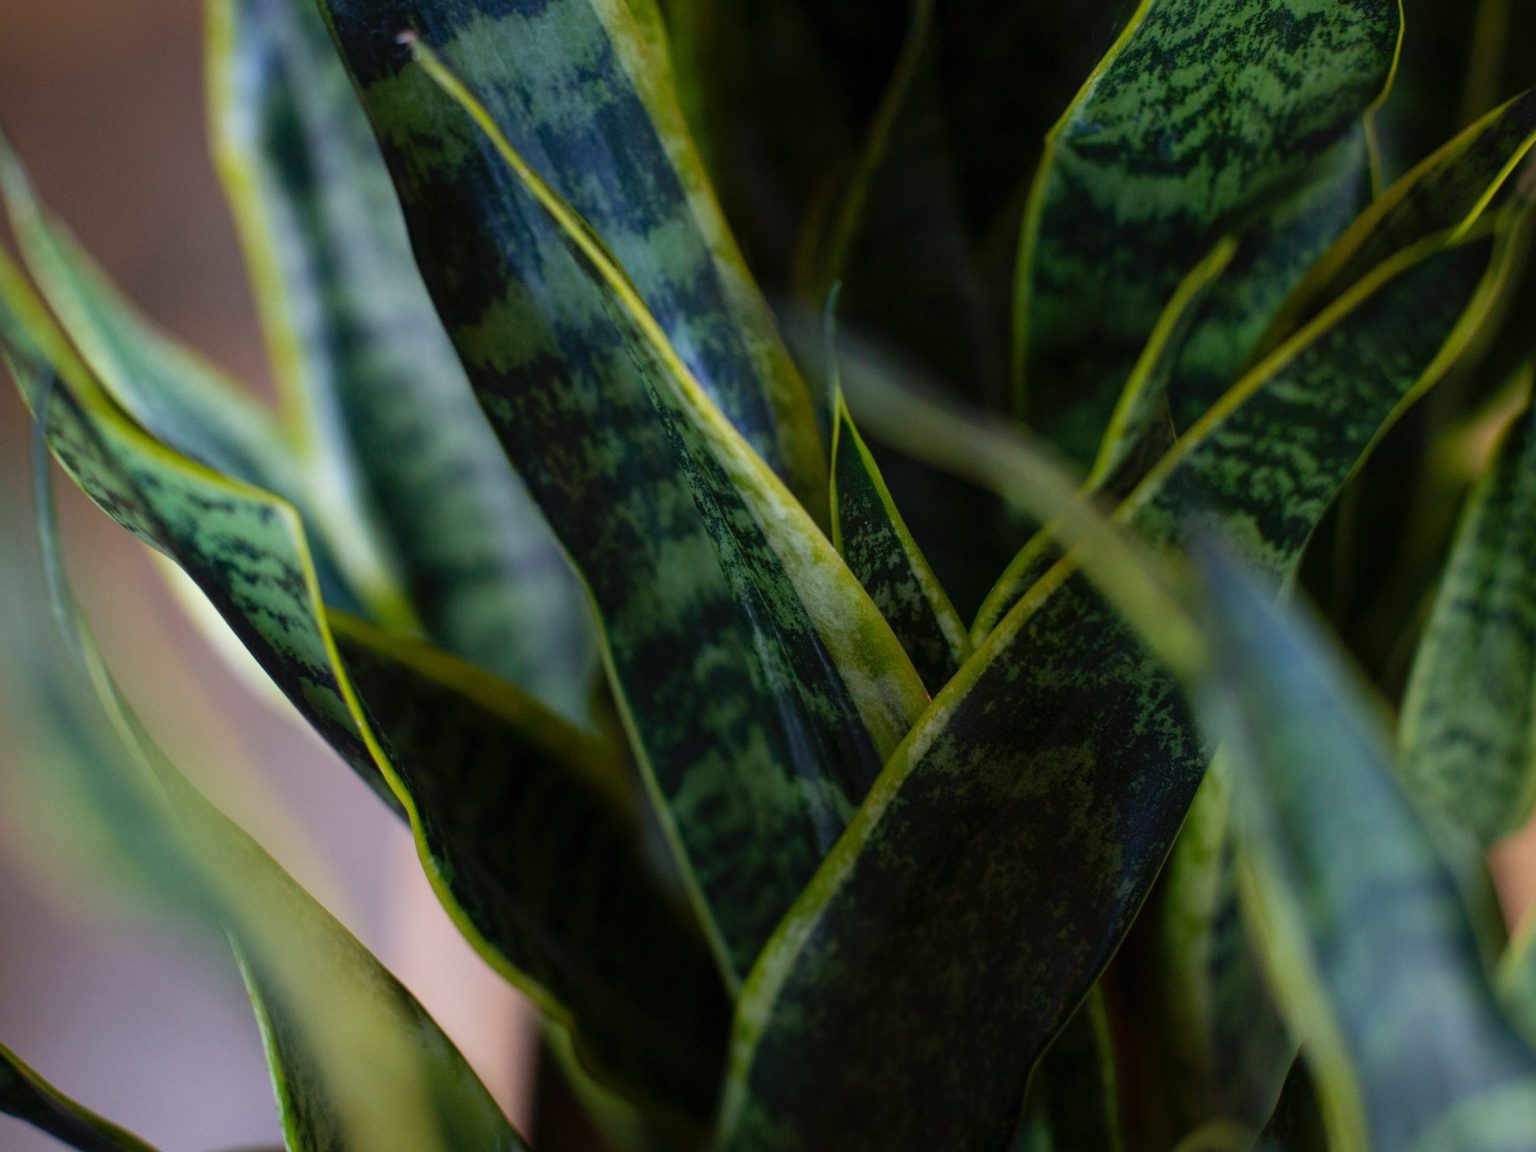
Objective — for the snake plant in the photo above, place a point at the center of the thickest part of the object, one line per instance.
(802, 509)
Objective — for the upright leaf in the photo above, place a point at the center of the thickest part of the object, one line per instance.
(1015, 833)
(28, 1097)
(1206, 118)
(1449, 190)
(1469, 718)
(871, 535)
(386, 410)
(762, 687)
(576, 88)
(1371, 951)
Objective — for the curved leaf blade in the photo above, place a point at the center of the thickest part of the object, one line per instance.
(575, 87)
(760, 685)
(1063, 792)
(541, 867)
(1250, 98)
(29, 1098)
(869, 531)
(1371, 951)
(246, 550)
(1469, 713)
(387, 410)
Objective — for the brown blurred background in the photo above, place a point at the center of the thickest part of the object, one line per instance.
(103, 98)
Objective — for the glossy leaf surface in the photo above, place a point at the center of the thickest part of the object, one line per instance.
(760, 684)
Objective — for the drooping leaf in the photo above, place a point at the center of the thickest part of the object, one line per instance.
(1371, 951)
(545, 869)
(762, 687)
(246, 551)
(1205, 119)
(1467, 724)
(1012, 838)
(386, 411)
(356, 1061)
(28, 1097)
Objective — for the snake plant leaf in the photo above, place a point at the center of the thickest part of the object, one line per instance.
(541, 863)
(181, 400)
(868, 530)
(1467, 719)
(730, 621)
(1447, 191)
(1139, 435)
(1345, 887)
(1224, 1049)
(356, 1061)
(28, 1097)
(1254, 100)
(246, 550)
(370, 366)
(1013, 836)
(625, 163)
(1073, 1095)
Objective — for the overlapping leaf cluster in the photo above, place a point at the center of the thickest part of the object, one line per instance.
(669, 514)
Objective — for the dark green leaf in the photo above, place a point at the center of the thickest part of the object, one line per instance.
(1450, 190)
(1469, 713)
(1371, 951)
(1014, 835)
(1205, 119)
(1223, 1050)
(1140, 433)
(27, 1096)
(1073, 1095)
(544, 870)
(385, 409)
(761, 685)
(870, 533)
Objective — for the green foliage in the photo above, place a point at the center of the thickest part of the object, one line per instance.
(771, 700)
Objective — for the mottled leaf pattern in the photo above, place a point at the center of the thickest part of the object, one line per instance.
(1448, 191)
(246, 551)
(870, 533)
(761, 685)
(1140, 432)
(389, 418)
(28, 1097)
(1469, 719)
(1370, 949)
(1051, 776)
(1206, 118)
(546, 869)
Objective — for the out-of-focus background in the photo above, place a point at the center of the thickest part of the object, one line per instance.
(103, 98)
